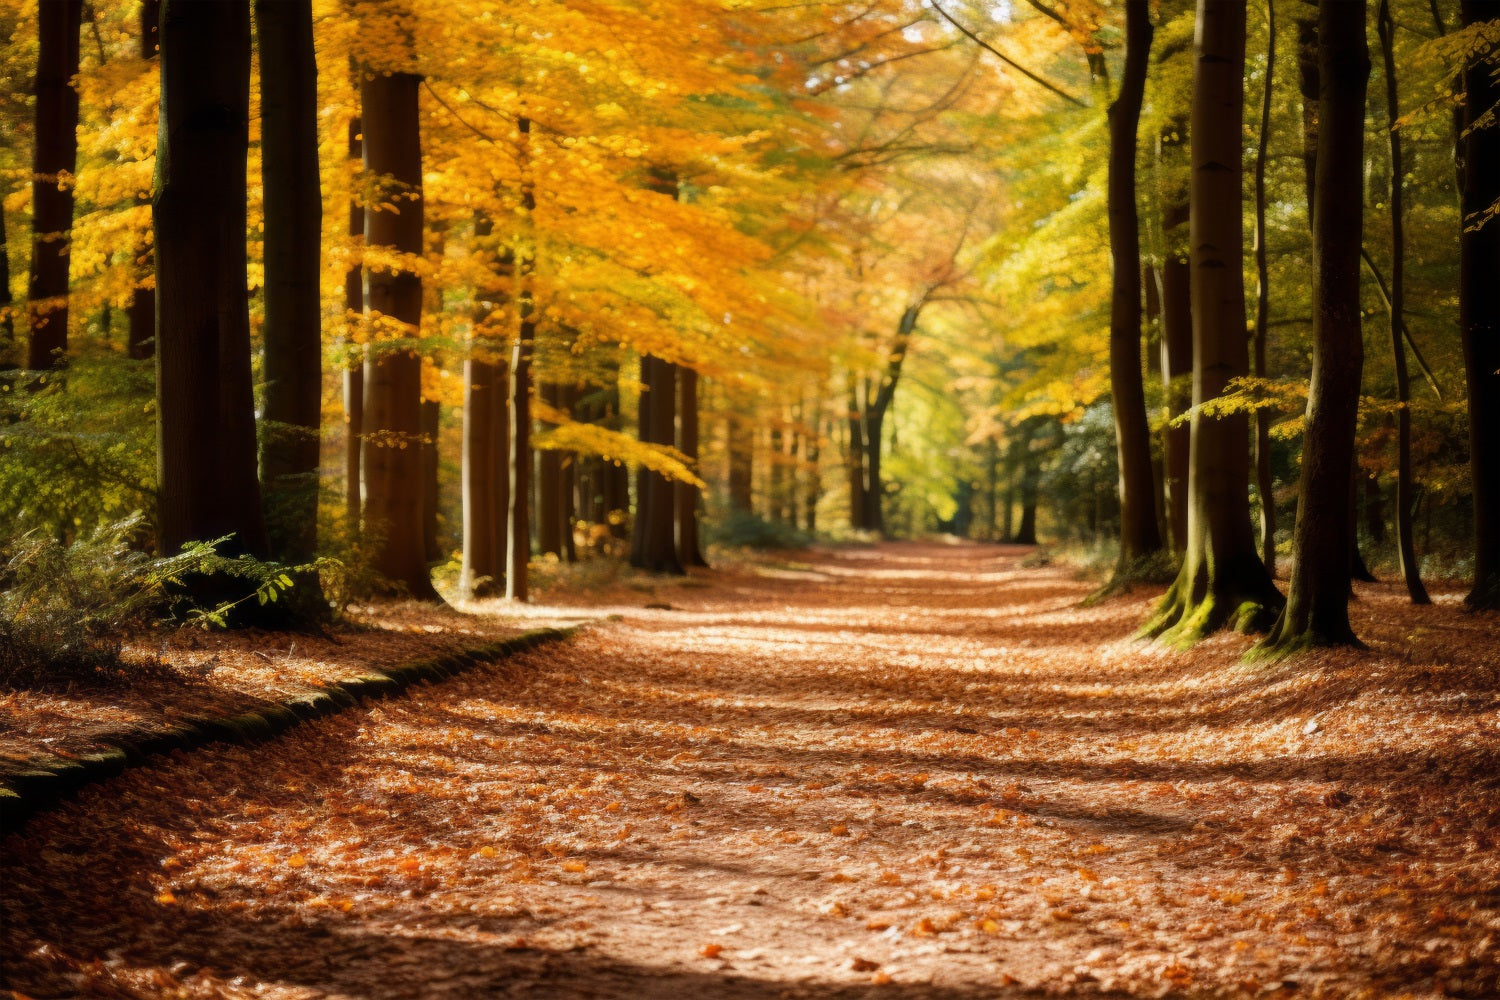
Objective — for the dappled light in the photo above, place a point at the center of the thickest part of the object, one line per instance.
(751, 794)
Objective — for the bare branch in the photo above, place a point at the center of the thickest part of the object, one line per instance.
(1039, 81)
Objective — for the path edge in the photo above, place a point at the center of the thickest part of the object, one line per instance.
(42, 783)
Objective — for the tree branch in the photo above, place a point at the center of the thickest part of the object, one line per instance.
(1400, 322)
(1039, 81)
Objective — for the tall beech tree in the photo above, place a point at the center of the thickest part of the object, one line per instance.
(873, 400)
(1140, 533)
(140, 337)
(1406, 554)
(1309, 79)
(518, 396)
(653, 544)
(1479, 302)
(1317, 608)
(205, 406)
(54, 163)
(292, 358)
(486, 430)
(354, 367)
(1263, 481)
(392, 431)
(1222, 581)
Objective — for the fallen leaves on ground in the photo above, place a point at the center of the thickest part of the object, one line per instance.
(908, 770)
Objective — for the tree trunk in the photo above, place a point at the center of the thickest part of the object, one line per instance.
(205, 406)
(292, 359)
(741, 447)
(1176, 365)
(873, 417)
(653, 546)
(1406, 549)
(518, 523)
(1317, 608)
(1030, 480)
(1309, 77)
(856, 459)
(1140, 538)
(689, 551)
(486, 485)
(1222, 580)
(8, 354)
(392, 438)
(615, 481)
(53, 164)
(140, 337)
(569, 475)
(549, 484)
(1264, 487)
(354, 370)
(776, 462)
(1479, 311)
(1307, 84)
(432, 417)
(992, 489)
(814, 467)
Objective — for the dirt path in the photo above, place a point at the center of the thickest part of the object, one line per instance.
(912, 770)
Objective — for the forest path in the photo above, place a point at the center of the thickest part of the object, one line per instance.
(911, 770)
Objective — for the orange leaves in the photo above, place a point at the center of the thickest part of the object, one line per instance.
(711, 950)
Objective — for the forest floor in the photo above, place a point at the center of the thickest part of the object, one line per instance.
(907, 770)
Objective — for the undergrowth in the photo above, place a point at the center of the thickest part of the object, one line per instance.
(65, 605)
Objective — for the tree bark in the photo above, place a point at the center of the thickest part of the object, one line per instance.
(205, 406)
(140, 336)
(872, 418)
(392, 438)
(814, 467)
(1176, 361)
(1309, 76)
(689, 551)
(292, 354)
(1317, 608)
(856, 458)
(1307, 84)
(653, 545)
(518, 523)
(549, 492)
(1222, 581)
(1140, 537)
(354, 370)
(1264, 487)
(431, 417)
(8, 354)
(486, 485)
(1479, 311)
(1030, 481)
(53, 164)
(1405, 547)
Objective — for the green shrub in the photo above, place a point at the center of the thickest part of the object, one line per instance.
(64, 606)
(78, 449)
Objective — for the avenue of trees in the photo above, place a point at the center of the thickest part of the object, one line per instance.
(368, 289)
